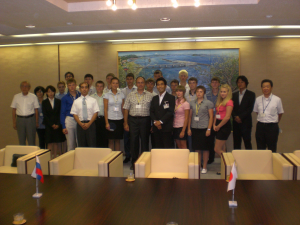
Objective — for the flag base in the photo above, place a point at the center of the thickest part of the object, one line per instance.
(232, 203)
(37, 195)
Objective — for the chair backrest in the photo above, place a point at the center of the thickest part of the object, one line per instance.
(297, 153)
(17, 149)
(253, 161)
(169, 160)
(88, 158)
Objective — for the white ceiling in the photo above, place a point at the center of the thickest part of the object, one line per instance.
(48, 18)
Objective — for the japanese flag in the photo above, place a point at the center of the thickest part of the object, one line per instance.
(232, 178)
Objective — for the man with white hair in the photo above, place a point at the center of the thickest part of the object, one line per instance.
(183, 76)
(25, 114)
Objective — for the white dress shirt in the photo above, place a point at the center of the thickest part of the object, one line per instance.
(267, 109)
(92, 107)
(92, 90)
(51, 102)
(187, 87)
(126, 91)
(114, 105)
(241, 95)
(100, 103)
(161, 97)
(25, 104)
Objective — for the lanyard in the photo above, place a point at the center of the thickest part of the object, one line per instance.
(77, 95)
(177, 106)
(116, 101)
(218, 108)
(262, 99)
(139, 99)
(197, 109)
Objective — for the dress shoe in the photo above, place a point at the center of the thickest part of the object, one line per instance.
(210, 161)
(126, 160)
(131, 168)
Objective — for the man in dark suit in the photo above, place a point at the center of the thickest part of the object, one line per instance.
(242, 120)
(162, 114)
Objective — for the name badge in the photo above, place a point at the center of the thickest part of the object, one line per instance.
(218, 116)
(41, 114)
(116, 109)
(166, 105)
(138, 106)
(196, 118)
(262, 115)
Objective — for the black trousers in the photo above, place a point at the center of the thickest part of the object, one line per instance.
(86, 138)
(41, 134)
(211, 145)
(241, 131)
(267, 136)
(139, 128)
(101, 137)
(127, 144)
(163, 139)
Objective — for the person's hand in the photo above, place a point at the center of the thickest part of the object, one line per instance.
(189, 132)
(126, 127)
(65, 131)
(107, 126)
(237, 119)
(181, 135)
(86, 126)
(159, 127)
(83, 125)
(15, 126)
(217, 128)
(207, 133)
(157, 123)
(55, 127)
(151, 130)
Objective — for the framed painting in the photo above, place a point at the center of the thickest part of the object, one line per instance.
(202, 64)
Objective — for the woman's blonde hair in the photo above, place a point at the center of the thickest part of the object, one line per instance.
(181, 88)
(228, 97)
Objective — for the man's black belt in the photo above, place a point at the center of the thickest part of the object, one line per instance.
(84, 121)
(25, 116)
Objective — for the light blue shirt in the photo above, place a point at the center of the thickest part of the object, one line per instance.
(100, 103)
(59, 96)
(115, 105)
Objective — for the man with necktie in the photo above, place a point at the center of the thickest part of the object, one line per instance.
(85, 111)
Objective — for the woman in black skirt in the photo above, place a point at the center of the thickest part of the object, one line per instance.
(113, 114)
(51, 112)
(201, 121)
(222, 124)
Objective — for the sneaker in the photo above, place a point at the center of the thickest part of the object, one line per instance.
(204, 171)
(126, 160)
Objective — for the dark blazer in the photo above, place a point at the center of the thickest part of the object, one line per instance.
(244, 109)
(51, 116)
(158, 112)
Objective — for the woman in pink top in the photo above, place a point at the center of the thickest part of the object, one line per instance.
(222, 123)
(182, 109)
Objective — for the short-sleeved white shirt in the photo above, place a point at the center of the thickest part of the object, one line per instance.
(25, 104)
(115, 102)
(270, 107)
(92, 107)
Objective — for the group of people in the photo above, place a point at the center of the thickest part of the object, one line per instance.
(182, 116)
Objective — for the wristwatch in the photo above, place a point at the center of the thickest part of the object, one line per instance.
(208, 129)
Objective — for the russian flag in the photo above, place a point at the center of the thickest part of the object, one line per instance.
(37, 171)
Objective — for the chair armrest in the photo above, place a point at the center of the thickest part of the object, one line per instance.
(227, 161)
(282, 169)
(2, 152)
(26, 163)
(62, 164)
(143, 165)
(295, 161)
(111, 165)
(194, 165)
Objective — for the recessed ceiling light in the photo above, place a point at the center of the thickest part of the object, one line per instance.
(269, 16)
(30, 26)
(69, 23)
(165, 19)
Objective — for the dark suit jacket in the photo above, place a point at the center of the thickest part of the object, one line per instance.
(51, 116)
(244, 109)
(158, 112)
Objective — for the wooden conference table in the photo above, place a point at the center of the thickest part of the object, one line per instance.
(92, 200)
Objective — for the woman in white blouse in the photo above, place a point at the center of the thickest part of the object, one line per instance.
(113, 113)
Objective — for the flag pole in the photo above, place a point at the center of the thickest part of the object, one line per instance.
(37, 185)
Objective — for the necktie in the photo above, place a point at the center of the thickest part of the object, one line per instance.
(84, 110)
